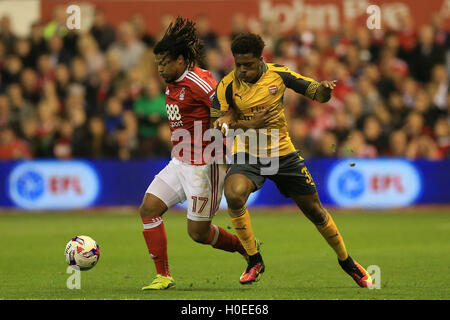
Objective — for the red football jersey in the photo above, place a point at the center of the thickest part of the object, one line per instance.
(188, 102)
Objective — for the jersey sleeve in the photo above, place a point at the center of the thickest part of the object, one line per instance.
(223, 98)
(300, 84)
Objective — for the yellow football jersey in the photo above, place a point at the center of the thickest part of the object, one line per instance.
(249, 98)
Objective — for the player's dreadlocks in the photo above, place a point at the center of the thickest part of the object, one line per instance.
(247, 43)
(181, 39)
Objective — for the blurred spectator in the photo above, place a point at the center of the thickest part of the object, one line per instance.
(302, 140)
(62, 147)
(12, 71)
(113, 66)
(88, 49)
(397, 109)
(214, 64)
(163, 146)
(113, 114)
(354, 107)
(422, 104)
(342, 125)
(356, 146)
(128, 46)
(383, 115)
(135, 78)
(100, 91)
(12, 147)
(439, 86)
(426, 54)
(414, 125)
(7, 36)
(102, 31)
(29, 132)
(45, 71)
(47, 129)
(138, 22)
(150, 110)
(57, 26)
(20, 108)
(123, 147)
(56, 51)
(374, 134)
(62, 81)
(79, 72)
(238, 24)
(38, 43)
(98, 145)
(77, 116)
(327, 145)
(23, 51)
(398, 144)
(5, 111)
(442, 135)
(423, 147)
(29, 83)
(205, 33)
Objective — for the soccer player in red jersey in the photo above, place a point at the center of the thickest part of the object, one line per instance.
(189, 94)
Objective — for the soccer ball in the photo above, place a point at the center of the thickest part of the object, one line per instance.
(82, 252)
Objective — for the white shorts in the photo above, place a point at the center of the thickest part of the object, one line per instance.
(201, 185)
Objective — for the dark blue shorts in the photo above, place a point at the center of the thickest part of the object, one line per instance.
(292, 177)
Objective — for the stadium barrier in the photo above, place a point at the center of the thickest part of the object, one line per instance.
(361, 183)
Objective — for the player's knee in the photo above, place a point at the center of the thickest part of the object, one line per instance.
(236, 196)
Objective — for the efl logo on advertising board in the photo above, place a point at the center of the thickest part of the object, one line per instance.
(374, 183)
(53, 185)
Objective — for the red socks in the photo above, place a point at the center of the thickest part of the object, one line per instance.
(156, 240)
(223, 240)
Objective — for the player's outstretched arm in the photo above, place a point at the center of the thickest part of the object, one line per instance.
(323, 93)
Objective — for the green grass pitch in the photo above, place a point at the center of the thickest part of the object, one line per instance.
(411, 249)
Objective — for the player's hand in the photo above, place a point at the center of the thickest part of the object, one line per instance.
(323, 92)
(223, 123)
(265, 118)
(330, 84)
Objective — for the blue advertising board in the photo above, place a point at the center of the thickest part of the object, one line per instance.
(359, 183)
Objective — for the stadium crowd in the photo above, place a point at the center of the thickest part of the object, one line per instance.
(97, 94)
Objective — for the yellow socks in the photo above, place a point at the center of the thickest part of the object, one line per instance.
(241, 222)
(331, 233)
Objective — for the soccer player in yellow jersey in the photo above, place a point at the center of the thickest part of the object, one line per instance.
(251, 97)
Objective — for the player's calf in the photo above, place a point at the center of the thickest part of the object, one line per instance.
(215, 236)
(199, 231)
(311, 207)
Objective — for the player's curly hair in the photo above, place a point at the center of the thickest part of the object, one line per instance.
(247, 43)
(181, 39)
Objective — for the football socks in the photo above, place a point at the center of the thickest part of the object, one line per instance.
(223, 240)
(331, 233)
(156, 240)
(241, 221)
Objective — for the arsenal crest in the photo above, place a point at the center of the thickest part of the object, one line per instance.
(273, 90)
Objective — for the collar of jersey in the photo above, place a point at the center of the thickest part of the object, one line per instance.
(264, 69)
(183, 75)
